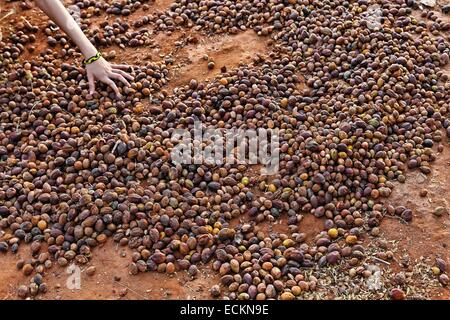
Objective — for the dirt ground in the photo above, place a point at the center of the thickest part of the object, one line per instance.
(426, 237)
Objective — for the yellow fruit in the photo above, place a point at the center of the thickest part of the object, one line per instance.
(333, 233)
(296, 290)
(287, 296)
(42, 225)
(35, 220)
(351, 239)
(271, 188)
(342, 155)
(139, 108)
(436, 271)
(288, 243)
(74, 130)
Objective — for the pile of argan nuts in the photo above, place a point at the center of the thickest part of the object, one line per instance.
(77, 169)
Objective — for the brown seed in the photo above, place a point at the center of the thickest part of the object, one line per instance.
(215, 291)
(3, 246)
(193, 270)
(297, 290)
(106, 166)
(146, 91)
(62, 262)
(22, 291)
(35, 247)
(267, 266)
(170, 267)
(226, 234)
(351, 239)
(443, 279)
(27, 269)
(287, 296)
(397, 294)
(90, 271)
(234, 265)
(333, 257)
(441, 264)
(42, 225)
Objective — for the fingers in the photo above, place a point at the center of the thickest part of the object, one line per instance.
(91, 83)
(119, 77)
(113, 86)
(124, 74)
(106, 74)
(120, 66)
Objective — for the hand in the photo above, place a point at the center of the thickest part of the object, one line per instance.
(104, 71)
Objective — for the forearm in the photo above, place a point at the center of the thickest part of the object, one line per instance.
(59, 14)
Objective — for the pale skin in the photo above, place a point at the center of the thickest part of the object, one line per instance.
(100, 70)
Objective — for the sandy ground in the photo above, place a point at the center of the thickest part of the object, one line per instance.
(426, 236)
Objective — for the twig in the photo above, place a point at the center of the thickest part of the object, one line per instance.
(29, 25)
(396, 217)
(115, 146)
(188, 286)
(12, 11)
(140, 295)
(34, 105)
(381, 260)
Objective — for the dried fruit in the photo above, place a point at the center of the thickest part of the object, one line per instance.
(90, 271)
(355, 106)
(22, 291)
(333, 233)
(397, 294)
(215, 291)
